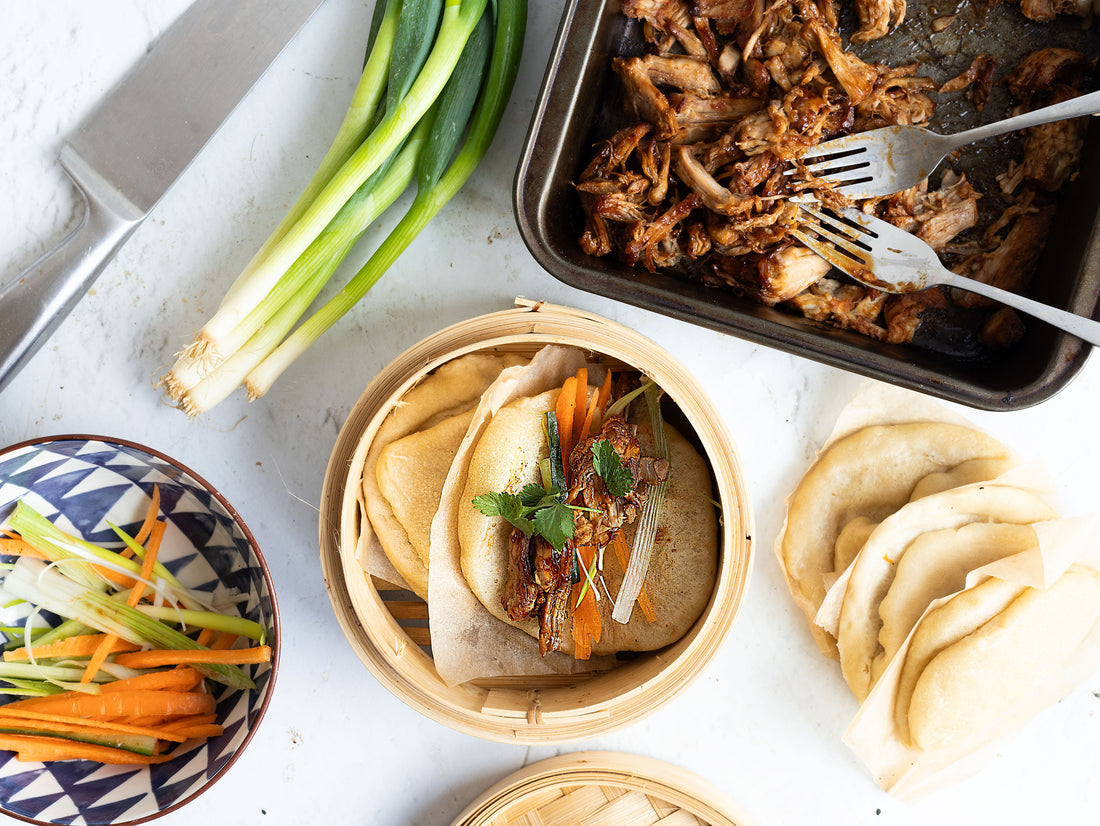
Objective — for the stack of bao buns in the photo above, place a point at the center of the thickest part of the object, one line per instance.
(475, 425)
(934, 565)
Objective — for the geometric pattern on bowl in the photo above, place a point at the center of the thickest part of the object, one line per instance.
(82, 483)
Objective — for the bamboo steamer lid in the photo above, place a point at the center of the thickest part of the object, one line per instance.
(388, 628)
(602, 789)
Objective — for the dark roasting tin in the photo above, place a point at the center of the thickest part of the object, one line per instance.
(572, 114)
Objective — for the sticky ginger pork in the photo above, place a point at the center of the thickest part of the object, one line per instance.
(727, 99)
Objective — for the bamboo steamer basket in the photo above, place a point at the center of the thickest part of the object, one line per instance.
(600, 788)
(388, 627)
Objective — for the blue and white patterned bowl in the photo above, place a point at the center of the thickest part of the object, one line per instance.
(82, 483)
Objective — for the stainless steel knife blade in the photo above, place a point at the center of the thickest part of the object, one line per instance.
(136, 143)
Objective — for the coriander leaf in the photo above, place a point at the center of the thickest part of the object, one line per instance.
(534, 496)
(618, 479)
(506, 505)
(555, 524)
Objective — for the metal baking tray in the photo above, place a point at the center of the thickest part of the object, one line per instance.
(573, 112)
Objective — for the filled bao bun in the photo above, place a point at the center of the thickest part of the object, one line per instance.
(683, 567)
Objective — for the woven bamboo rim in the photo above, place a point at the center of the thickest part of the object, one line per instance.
(602, 789)
(390, 641)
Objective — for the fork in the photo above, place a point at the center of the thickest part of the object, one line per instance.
(887, 258)
(887, 160)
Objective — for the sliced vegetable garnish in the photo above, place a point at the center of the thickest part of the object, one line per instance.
(642, 549)
(535, 511)
(118, 711)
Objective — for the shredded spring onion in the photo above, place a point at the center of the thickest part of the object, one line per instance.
(642, 549)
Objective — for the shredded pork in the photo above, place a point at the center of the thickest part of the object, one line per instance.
(729, 97)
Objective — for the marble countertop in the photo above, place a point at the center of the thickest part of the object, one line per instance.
(764, 720)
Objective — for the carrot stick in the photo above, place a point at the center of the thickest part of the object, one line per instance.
(78, 645)
(156, 721)
(202, 730)
(17, 546)
(150, 517)
(36, 748)
(225, 640)
(589, 417)
(176, 679)
(133, 703)
(605, 392)
(581, 404)
(564, 411)
(192, 720)
(587, 625)
(602, 400)
(55, 722)
(132, 599)
(622, 553)
(205, 637)
(164, 656)
(156, 533)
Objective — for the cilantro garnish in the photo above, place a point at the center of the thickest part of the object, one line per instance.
(535, 510)
(609, 467)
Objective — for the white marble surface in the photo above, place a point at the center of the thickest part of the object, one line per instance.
(763, 722)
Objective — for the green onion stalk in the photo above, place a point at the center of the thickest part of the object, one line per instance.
(356, 125)
(49, 589)
(81, 557)
(418, 52)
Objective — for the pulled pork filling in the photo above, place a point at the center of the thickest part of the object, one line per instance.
(726, 101)
(540, 579)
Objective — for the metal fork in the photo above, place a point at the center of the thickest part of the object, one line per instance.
(887, 160)
(887, 258)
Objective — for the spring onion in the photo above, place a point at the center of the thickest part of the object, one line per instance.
(83, 560)
(430, 98)
(48, 588)
(642, 549)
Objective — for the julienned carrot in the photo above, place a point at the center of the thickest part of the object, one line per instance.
(604, 397)
(564, 410)
(199, 656)
(581, 404)
(150, 517)
(134, 703)
(156, 531)
(589, 418)
(192, 720)
(622, 553)
(17, 546)
(201, 730)
(58, 723)
(36, 748)
(587, 626)
(225, 640)
(205, 637)
(78, 645)
(175, 679)
(149, 721)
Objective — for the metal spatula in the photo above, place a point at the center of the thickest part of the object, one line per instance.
(887, 258)
(887, 160)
